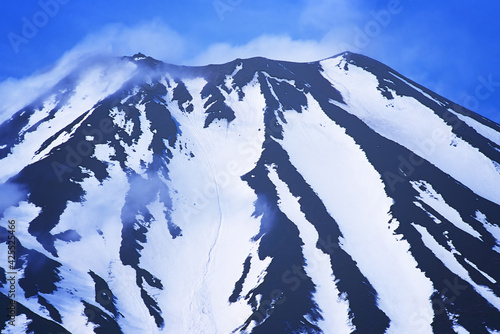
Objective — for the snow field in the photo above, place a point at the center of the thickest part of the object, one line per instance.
(414, 126)
(353, 193)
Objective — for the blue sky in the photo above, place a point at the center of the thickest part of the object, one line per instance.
(451, 47)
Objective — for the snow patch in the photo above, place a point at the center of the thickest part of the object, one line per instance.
(334, 308)
(436, 220)
(361, 208)
(97, 84)
(433, 199)
(418, 89)
(21, 325)
(40, 114)
(480, 128)
(449, 260)
(494, 230)
(413, 126)
(213, 207)
(140, 152)
(491, 279)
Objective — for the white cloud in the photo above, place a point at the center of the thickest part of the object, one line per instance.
(278, 47)
(17, 93)
(157, 40)
(331, 14)
(334, 17)
(153, 38)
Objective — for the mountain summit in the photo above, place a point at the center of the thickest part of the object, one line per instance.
(257, 196)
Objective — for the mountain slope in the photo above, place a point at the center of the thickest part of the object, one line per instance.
(256, 196)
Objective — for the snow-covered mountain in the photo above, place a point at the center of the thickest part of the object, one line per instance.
(257, 196)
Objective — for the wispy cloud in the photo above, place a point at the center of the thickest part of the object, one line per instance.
(153, 38)
(159, 41)
(334, 21)
(279, 47)
(389, 31)
(10, 194)
(337, 26)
